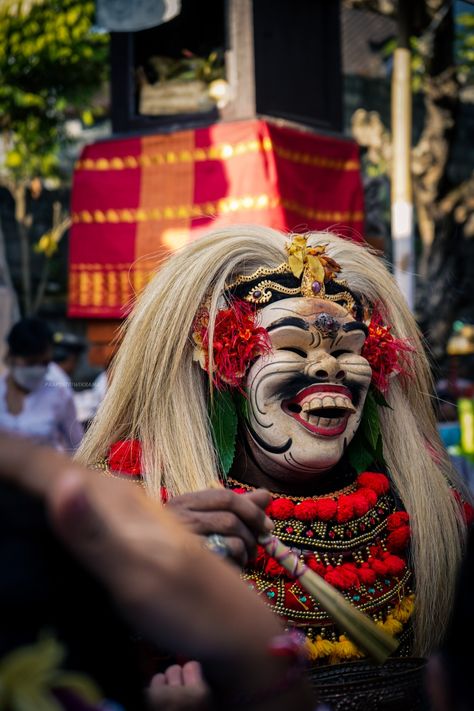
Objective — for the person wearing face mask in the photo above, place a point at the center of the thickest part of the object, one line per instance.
(32, 402)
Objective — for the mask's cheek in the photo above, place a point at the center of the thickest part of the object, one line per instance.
(357, 371)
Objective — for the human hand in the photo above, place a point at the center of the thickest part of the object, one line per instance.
(180, 688)
(238, 518)
(142, 554)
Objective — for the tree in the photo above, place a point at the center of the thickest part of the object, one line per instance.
(52, 61)
(443, 62)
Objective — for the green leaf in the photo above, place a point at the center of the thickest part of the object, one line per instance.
(370, 425)
(359, 456)
(366, 447)
(379, 398)
(242, 406)
(223, 416)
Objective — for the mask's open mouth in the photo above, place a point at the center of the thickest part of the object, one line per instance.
(321, 409)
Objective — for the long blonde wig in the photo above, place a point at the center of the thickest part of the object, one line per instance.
(160, 396)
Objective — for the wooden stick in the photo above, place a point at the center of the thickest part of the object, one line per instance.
(359, 627)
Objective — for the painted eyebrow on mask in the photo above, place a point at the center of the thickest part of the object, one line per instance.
(288, 321)
(355, 326)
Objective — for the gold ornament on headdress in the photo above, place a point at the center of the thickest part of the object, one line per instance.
(311, 262)
(310, 266)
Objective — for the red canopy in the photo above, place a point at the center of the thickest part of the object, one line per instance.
(134, 199)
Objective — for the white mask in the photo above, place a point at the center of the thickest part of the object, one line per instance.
(306, 397)
(29, 377)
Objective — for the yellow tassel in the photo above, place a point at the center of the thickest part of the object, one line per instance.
(319, 648)
(391, 626)
(344, 649)
(403, 610)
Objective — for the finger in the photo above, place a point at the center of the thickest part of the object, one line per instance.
(251, 510)
(237, 550)
(174, 675)
(248, 507)
(226, 524)
(158, 680)
(192, 674)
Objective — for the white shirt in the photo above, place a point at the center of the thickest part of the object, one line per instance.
(48, 415)
(88, 401)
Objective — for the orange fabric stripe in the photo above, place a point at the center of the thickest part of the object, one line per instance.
(162, 186)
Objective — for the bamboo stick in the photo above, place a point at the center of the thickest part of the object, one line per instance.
(356, 624)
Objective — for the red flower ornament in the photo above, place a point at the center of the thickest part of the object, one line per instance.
(385, 353)
(237, 341)
(125, 457)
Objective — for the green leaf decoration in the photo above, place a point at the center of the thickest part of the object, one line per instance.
(367, 446)
(242, 403)
(380, 398)
(370, 424)
(360, 456)
(223, 416)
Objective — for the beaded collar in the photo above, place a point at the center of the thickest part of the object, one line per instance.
(357, 540)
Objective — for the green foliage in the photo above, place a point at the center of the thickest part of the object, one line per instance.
(223, 416)
(366, 448)
(52, 60)
(464, 45)
(463, 52)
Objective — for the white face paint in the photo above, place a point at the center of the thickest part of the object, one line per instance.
(306, 397)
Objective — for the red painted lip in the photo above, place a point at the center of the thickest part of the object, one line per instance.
(328, 388)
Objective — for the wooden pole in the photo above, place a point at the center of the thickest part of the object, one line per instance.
(401, 195)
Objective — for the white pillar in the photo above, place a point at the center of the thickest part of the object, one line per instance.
(401, 187)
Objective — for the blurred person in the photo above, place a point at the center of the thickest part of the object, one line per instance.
(163, 584)
(88, 401)
(67, 351)
(32, 401)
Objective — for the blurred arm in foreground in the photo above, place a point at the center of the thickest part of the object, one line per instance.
(180, 596)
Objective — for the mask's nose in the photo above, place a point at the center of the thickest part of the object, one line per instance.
(326, 369)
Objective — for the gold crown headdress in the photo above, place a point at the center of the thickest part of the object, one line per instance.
(308, 271)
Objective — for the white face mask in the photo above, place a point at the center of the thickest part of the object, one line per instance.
(305, 398)
(29, 377)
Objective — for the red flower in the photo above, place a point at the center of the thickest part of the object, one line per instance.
(336, 578)
(326, 509)
(369, 495)
(345, 509)
(312, 563)
(395, 565)
(360, 503)
(397, 519)
(375, 481)
(281, 509)
(237, 341)
(125, 457)
(468, 513)
(386, 354)
(306, 510)
(367, 575)
(350, 575)
(397, 540)
(378, 566)
(274, 568)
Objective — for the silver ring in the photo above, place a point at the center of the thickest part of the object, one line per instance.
(216, 544)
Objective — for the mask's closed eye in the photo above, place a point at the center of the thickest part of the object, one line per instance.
(336, 354)
(298, 351)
